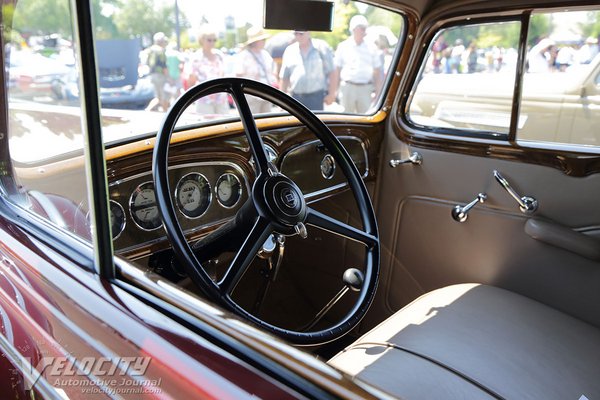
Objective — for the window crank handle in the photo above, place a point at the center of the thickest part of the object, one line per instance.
(527, 204)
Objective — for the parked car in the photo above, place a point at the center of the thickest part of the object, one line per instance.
(393, 252)
(35, 75)
(120, 86)
(555, 106)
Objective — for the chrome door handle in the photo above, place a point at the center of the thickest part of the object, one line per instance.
(415, 158)
(460, 213)
(527, 204)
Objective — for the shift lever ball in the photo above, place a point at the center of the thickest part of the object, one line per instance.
(353, 279)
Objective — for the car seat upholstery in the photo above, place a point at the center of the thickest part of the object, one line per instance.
(473, 341)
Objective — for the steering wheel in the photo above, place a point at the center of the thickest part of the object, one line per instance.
(276, 205)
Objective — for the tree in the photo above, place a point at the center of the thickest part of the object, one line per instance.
(143, 18)
(343, 12)
(540, 26)
(591, 28)
(43, 17)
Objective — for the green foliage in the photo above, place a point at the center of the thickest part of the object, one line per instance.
(102, 12)
(591, 28)
(43, 17)
(380, 16)
(342, 14)
(144, 18)
(540, 26)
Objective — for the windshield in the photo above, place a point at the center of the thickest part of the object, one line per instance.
(149, 54)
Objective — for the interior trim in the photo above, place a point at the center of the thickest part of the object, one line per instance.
(235, 128)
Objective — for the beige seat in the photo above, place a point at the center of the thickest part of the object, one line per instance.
(473, 341)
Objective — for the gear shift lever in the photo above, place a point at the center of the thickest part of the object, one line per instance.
(353, 280)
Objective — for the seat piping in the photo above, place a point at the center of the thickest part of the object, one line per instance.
(427, 358)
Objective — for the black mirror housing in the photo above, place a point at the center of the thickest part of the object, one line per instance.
(299, 15)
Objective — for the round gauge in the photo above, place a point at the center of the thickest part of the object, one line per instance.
(327, 166)
(193, 195)
(117, 219)
(229, 190)
(142, 206)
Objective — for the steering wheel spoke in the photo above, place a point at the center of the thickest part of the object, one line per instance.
(256, 144)
(258, 234)
(275, 203)
(320, 220)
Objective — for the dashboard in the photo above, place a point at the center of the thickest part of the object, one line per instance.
(211, 178)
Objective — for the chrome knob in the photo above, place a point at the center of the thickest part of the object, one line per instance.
(461, 213)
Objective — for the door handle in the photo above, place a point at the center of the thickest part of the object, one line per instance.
(415, 158)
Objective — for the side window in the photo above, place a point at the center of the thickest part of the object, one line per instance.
(561, 94)
(45, 139)
(467, 80)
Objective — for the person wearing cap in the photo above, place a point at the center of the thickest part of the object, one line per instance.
(357, 70)
(538, 58)
(587, 51)
(207, 63)
(157, 63)
(306, 70)
(254, 62)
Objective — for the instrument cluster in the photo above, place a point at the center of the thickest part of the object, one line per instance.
(204, 194)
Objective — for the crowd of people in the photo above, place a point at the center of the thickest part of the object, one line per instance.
(310, 70)
(549, 56)
(545, 56)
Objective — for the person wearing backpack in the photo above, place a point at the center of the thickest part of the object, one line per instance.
(306, 69)
(157, 63)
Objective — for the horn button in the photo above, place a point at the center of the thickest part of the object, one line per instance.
(285, 200)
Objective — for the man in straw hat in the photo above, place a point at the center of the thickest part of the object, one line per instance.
(254, 62)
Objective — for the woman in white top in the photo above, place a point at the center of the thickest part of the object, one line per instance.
(207, 63)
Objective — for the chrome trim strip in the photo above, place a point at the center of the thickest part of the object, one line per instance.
(340, 185)
(188, 165)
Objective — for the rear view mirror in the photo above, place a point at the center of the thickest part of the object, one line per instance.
(299, 15)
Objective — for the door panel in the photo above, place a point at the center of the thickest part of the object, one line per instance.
(424, 248)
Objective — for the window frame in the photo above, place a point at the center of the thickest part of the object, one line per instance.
(457, 132)
(572, 160)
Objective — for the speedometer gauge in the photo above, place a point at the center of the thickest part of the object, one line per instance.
(142, 206)
(229, 190)
(193, 195)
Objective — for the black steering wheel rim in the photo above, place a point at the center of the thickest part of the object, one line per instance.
(220, 291)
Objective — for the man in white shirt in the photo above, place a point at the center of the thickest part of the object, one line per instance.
(357, 70)
(306, 70)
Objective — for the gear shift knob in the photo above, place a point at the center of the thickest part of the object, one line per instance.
(353, 279)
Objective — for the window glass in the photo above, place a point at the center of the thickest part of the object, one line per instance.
(148, 56)
(467, 81)
(40, 57)
(561, 96)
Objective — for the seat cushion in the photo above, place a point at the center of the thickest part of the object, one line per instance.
(474, 341)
